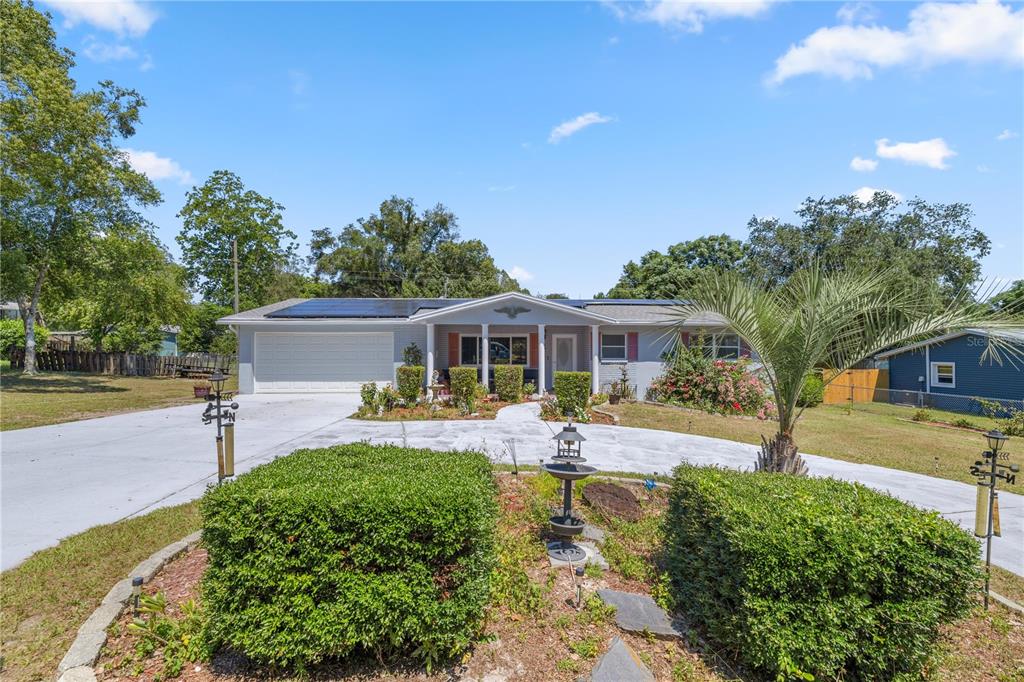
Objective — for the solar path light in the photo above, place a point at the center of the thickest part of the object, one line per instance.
(567, 466)
(224, 415)
(989, 471)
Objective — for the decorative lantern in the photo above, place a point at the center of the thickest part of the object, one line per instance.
(995, 440)
(568, 443)
(218, 379)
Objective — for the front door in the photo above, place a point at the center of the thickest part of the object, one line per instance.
(565, 353)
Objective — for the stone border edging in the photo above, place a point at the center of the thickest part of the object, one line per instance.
(597, 408)
(76, 666)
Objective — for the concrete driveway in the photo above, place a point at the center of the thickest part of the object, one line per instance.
(59, 480)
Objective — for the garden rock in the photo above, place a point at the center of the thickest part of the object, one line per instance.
(621, 664)
(613, 500)
(639, 613)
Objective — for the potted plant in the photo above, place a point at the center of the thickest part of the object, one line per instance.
(614, 395)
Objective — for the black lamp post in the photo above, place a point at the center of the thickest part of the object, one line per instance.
(989, 471)
(224, 415)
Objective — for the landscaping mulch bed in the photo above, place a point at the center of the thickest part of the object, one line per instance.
(535, 631)
(422, 412)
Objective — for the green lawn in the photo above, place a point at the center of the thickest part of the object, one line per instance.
(871, 433)
(45, 599)
(55, 397)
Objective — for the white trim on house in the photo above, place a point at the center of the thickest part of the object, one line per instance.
(511, 296)
(935, 375)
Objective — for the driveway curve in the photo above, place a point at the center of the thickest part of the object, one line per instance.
(61, 479)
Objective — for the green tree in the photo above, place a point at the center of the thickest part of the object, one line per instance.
(200, 332)
(1010, 299)
(832, 320)
(669, 275)
(124, 285)
(63, 179)
(214, 215)
(399, 252)
(932, 248)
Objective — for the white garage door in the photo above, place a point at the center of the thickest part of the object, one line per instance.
(341, 362)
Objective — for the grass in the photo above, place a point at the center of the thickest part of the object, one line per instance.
(871, 433)
(57, 397)
(46, 598)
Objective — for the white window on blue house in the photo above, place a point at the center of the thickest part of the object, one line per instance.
(613, 347)
(944, 374)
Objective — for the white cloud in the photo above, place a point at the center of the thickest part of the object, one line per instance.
(866, 194)
(1007, 135)
(501, 188)
(573, 126)
(982, 168)
(520, 273)
(863, 165)
(932, 153)
(106, 52)
(157, 167)
(690, 16)
(936, 33)
(857, 13)
(120, 16)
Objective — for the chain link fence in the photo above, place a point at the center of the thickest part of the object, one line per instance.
(947, 402)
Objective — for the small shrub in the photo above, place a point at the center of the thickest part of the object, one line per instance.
(922, 416)
(508, 382)
(808, 576)
(1013, 425)
(463, 386)
(963, 423)
(412, 355)
(410, 382)
(368, 394)
(813, 391)
(324, 552)
(387, 399)
(529, 388)
(179, 640)
(599, 399)
(12, 333)
(572, 391)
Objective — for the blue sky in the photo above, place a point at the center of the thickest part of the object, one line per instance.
(572, 137)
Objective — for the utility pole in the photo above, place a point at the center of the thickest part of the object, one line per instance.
(234, 260)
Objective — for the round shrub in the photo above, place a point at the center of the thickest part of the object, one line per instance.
(463, 386)
(815, 576)
(410, 382)
(813, 391)
(382, 549)
(12, 333)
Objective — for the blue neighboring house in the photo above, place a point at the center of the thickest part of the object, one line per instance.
(945, 371)
(169, 342)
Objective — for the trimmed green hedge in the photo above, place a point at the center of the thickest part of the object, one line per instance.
(508, 382)
(801, 575)
(463, 386)
(410, 382)
(572, 391)
(378, 548)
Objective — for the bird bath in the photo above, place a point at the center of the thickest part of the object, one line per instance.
(567, 466)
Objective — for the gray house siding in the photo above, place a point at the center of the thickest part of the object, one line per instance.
(652, 342)
(973, 376)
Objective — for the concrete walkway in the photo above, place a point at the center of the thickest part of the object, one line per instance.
(58, 480)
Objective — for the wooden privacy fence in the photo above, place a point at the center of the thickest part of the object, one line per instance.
(860, 385)
(125, 364)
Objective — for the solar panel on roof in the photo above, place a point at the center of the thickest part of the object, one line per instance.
(362, 307)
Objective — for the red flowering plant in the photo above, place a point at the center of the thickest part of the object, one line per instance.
(694, 379)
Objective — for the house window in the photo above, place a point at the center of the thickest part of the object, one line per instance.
(613, 346)
(944, 374)
(504, 350)
(723, 346)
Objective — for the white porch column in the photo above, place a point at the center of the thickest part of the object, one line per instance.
(485, 362)
(595, 360)
(430, 360)
(541, 360)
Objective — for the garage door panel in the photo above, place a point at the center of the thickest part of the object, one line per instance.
(336, 361)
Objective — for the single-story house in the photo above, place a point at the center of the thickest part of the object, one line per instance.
(946, 371)
(337, 344)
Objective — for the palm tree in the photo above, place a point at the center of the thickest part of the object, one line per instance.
(828, 320)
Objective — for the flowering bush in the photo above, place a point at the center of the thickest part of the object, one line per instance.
(693, 379)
